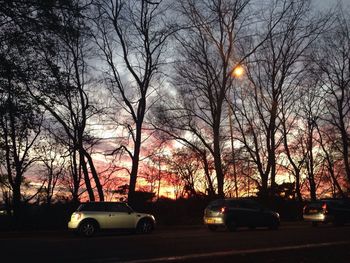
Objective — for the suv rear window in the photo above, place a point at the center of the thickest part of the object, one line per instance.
(315, 204)
(216, 205)
(320, 203)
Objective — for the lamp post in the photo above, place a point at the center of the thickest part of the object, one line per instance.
(237, 72)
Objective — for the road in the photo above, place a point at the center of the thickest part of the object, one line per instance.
(293, 242)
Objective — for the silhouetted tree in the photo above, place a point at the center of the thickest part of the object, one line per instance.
(51, 155)
(132, 36)
(203, 76)
(331, 55)
(20, 117)
(274, 74)
(64, 91)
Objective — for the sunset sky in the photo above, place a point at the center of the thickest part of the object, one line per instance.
(222, 101)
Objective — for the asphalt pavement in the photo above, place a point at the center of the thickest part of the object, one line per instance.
(293, 242)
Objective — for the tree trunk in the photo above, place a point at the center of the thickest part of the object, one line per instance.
(218, 164)
(135, 164)
(86, 177)
(311, 175)
(95, 176)
(16, 201)
(297, 186)
(211, 191)
(272, 145)
(264, 193)
(345, 145)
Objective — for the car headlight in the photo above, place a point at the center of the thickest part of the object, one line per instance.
(76, 216)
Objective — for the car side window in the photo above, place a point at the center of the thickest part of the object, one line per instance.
(91, 207)
(249, 204)
(124, 208)
(234, 204)
(338, 204)
(119, 207)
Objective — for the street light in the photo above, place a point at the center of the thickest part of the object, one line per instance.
(238, 71)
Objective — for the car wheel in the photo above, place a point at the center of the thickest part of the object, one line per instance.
(87, 229)
(231, 226)
(274, 225)
(144, 227)
(212, 227)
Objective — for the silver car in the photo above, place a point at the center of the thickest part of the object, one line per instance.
(94, 216)
(335, 211)
(239, 212)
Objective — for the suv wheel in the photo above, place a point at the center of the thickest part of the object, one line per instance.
(274, 225)
(231, 226)
(144, 227)
(87, 229)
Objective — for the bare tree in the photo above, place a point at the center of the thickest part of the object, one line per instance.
(53, 166)
(20, 117)
(132, 36)
(203, 74)
(297, 129)
(274, 74)
(328, 142)
(64, 90)
(331, 57)
(170, 130)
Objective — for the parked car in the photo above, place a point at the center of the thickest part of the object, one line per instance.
(95, 216)
(336, 211)
(242, 212)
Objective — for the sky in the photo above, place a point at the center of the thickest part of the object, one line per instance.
(322, 4)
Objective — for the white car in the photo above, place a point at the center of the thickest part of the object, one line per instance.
(94, 216)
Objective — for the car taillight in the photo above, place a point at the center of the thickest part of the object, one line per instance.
(223, 209)
(324, 208)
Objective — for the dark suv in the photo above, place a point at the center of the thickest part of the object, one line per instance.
(233, 213)
(336, 211)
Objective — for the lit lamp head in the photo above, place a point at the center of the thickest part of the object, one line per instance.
(238, 71)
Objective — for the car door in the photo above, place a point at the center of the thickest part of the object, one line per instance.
(252, 213)
(120, 216)
(258, 215)
(347, 211)
(342, 210)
